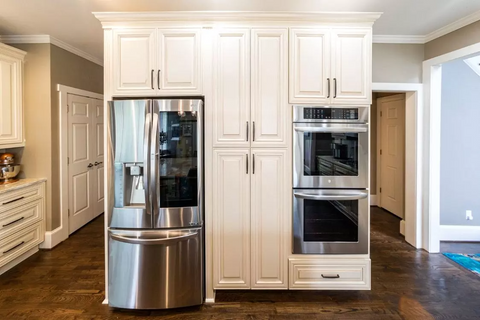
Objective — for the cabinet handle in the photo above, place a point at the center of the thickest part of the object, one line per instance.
(151, 79)
(253, 131)
(13, 200)
(331, 277)
(6, 225)
(328, 87)
(13, 248)
(246, 157)
(158, 79)
(335, 87)
(253, 163)
(247, 131)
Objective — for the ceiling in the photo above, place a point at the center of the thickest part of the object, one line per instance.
(72, 22)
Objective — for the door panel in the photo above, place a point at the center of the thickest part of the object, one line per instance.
(133, 61)
(179, 60)
(392, 144)
(269, 212)
(269, 115)
(309, 65)
(231, 218)
(351, 66)
(10, 108)
(232, 88)
(98, 156)
(81, 148)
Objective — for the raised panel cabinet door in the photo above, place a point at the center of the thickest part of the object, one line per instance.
(134, 62)
(11, 110)
(269, 109)
(98, 191)
(310, 66)
(270, 216)
(179, 68)
(352, 66)
(231, 219)
(231, 105)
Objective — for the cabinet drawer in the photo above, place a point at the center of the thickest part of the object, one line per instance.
(20, 242)
(17, 198)
(334, 274)
(20, 217)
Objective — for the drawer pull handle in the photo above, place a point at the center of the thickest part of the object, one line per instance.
(19, 219)
(12, 248)
(13, 200)
(331, 277)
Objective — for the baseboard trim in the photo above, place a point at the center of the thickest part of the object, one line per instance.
(53, 238)
(18, 260)
(210, 300)
(105, 301)
(459, 233)
(373, 200)
(402, 228)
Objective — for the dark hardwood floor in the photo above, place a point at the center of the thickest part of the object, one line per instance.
(68, 282)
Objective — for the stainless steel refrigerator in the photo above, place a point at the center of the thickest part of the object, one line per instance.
(155, 236)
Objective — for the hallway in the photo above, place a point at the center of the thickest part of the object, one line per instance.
(68, 283)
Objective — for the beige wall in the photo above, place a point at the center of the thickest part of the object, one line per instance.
(397, 63)
(36, 156)
(70, 70)
(455, 40)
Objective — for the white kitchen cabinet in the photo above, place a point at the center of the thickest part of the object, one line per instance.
(231, 219)
(134, 61)
(179, 68)
(270, 212)
(11, 97)
(352, 66)
(310, 66)
(156, 62)
(331, 66)
(270, 121)
(231, 101)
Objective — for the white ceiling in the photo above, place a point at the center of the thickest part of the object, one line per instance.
(71, 21)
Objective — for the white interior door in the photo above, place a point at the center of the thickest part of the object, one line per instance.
(98, 157)
(81, 172)
(392, 153)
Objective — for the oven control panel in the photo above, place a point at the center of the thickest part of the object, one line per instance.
(330, 113)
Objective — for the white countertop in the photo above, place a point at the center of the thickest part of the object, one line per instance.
(22, 183)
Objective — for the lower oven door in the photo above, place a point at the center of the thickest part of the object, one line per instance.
(330, 221)
(328, 155)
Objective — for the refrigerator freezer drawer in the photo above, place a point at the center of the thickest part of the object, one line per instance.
(155, 269)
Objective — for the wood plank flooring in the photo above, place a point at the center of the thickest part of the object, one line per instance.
(68, 283)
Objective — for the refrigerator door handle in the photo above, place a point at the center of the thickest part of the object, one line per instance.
(146, 169)
(146, 241)
(154, 155)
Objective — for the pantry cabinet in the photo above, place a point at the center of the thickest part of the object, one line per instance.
(331, 66)
(11, 97)
(156, 62)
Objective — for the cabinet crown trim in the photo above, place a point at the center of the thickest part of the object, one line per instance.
(12, 51)
(112, 19)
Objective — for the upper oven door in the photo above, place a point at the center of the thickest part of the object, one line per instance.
(330, 155)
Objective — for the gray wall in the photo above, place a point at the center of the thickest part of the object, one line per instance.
(460, 146)
(398, 63)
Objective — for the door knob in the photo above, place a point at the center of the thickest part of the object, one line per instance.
(90, 165)
(97, 163)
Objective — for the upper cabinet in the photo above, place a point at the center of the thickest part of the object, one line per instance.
(11, 97)
(331, 66)
(153, 61)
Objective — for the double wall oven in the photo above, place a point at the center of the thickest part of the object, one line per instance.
(330, 180)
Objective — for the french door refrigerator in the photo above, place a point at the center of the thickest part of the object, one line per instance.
(155, 235)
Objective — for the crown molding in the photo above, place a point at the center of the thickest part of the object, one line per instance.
(43, 38)
(398, 39)
(465, 21)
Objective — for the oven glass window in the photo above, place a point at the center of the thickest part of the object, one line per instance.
(330, 221)
(330, 154)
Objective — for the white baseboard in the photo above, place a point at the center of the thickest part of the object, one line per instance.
(373, 200)
(53, 238)
(210, 300)
(402, 227)
(105, 301)
(16, 261)
(459, 233)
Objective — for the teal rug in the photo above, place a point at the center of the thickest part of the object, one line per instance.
(469, 261)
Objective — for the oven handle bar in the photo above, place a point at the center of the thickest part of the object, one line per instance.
(331, 129)
(321, 197)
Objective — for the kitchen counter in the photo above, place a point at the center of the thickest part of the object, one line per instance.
(22, 183)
